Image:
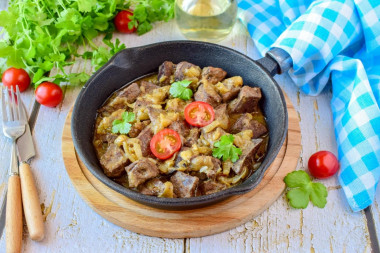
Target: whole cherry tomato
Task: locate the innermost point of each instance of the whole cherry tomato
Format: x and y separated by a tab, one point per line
121	21
49	94
165	143
199	114
323	164
12	77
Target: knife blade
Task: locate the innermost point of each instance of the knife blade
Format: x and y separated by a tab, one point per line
25	145
30	200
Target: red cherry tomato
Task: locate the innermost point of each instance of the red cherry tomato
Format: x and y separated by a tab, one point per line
49	94
12	77
165	143
122	20
199	114
323	164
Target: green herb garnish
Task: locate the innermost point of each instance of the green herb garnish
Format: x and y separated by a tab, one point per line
41	36
148	11
179	90
225	148
123	126
303	190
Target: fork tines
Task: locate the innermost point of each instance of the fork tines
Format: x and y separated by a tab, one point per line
11	111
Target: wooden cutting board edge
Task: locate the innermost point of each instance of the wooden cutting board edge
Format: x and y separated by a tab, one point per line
209	220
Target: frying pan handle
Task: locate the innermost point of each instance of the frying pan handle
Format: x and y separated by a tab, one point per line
276	61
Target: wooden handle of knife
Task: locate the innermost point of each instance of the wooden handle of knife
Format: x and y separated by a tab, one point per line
13	220
31	202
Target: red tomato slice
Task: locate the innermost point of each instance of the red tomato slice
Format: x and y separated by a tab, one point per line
199	114
323	164
165	143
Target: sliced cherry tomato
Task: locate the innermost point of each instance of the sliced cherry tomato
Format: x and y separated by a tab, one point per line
121	21
12	77
199	114
323	164
49	94
165	143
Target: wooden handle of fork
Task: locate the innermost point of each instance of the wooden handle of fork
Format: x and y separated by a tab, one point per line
31	202
13	220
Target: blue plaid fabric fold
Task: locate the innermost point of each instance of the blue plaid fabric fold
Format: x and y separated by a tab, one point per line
337	41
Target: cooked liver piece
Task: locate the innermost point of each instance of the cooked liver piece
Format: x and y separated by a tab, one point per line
147	87
214	135
233	84
210	186
108	137
212	165
184	185
221	115
137	128
213	75
247	101
181	127
154	113
181	68
220	111
113	161
130	93
145	190
193	137
145	136
228	96
178	159
140	171
245	122
139	104
106	110
117	103
208	94
248	156
152	187
165	70
217	167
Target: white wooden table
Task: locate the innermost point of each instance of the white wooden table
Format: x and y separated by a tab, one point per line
72	226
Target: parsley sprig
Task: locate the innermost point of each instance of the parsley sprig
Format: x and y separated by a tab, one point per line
123	126
179	90
304	190
226	149
44	35
147	12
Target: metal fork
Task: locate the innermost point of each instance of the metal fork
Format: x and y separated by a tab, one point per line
13	127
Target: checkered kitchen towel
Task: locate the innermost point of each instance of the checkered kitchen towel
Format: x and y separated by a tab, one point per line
335	40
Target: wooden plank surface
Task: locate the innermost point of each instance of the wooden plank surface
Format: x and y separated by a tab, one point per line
73	227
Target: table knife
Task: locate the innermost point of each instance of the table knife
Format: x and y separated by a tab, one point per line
30	200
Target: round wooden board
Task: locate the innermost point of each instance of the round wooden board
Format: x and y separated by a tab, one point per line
209	220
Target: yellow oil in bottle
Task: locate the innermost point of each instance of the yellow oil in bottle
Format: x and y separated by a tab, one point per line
205	20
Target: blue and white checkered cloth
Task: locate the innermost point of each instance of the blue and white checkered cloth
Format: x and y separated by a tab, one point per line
337	41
